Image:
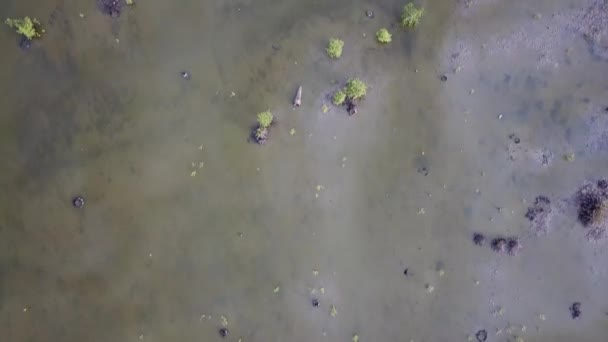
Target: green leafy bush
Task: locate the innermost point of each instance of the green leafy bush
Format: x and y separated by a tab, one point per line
355	89
339	97
383	36
411	15
265	119
29	28
334	48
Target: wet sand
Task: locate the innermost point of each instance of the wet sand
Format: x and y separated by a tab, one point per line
188	228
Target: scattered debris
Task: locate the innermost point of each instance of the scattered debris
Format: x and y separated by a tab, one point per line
324	108
332	311
539	214
297	101
276	289
569	157
575	310
224	321
78	202
429	288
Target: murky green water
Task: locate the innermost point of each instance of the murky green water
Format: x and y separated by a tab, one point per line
335	212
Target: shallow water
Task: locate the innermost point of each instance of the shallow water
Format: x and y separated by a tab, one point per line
335	211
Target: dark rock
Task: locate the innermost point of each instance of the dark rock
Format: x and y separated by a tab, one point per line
223	332
185	75
369	14
481	335
602	184
315	303
423	170
78	202
443	78
575	310
479	239
406	272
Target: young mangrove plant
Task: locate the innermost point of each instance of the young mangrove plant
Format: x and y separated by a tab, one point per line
334	48
355	89
27	27
410	17
265	119
383	36
339	97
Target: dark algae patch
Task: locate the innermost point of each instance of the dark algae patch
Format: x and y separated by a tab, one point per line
539	213
479	239
575	310
499	245
481	335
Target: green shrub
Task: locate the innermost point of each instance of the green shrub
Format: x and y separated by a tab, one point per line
339	97
355	89
334	48
265	119
411	15
29	28
383	36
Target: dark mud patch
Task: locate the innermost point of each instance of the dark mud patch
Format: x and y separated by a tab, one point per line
539	214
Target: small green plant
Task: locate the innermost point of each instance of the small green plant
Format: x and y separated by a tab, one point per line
383	36
339	97
265	119
355	89
411	15
334	48
29	28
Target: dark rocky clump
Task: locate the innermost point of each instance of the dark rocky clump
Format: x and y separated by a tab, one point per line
602	184
110	7
406	272
423	170
369	14
315	303
499	245
513	245
185	75
481	335
443	78
223	332
479	239
78	202
575	310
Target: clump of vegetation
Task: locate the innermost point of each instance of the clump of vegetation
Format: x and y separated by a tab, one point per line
339	97
355	89
265	119
411	15
383	36
27	27
334	48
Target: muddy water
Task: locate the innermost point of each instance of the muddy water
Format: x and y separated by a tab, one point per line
185	221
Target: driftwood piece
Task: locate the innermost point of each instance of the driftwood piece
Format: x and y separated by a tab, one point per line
297	101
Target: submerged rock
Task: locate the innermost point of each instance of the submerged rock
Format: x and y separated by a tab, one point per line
78	202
